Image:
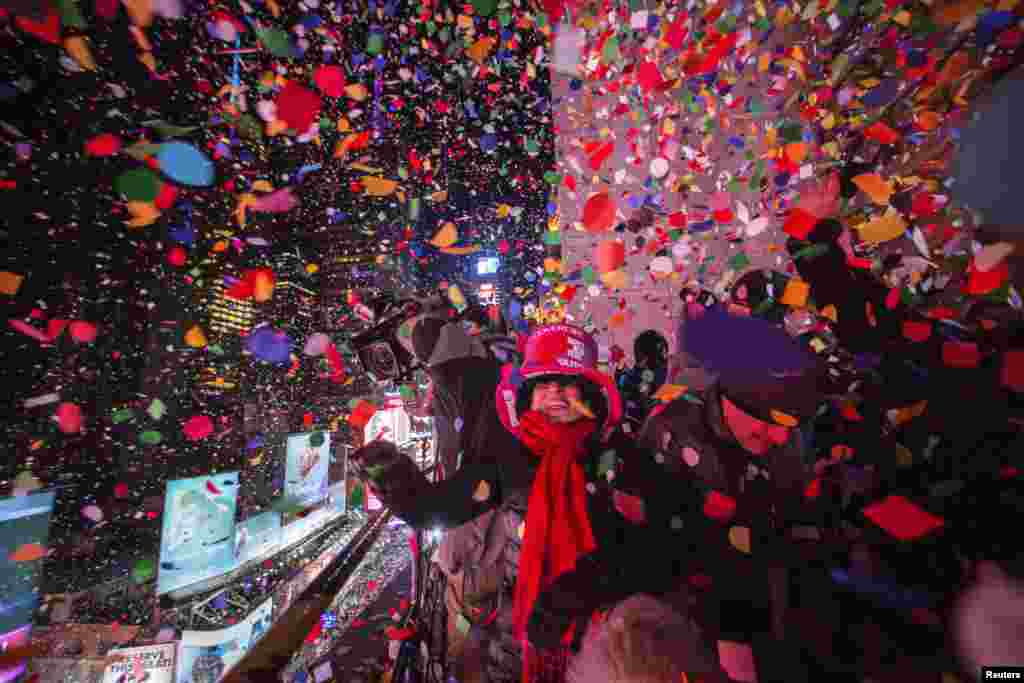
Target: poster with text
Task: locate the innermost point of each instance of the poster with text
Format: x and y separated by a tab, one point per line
207	656
150	664
24	534
17	638
258	537
198	540
306	465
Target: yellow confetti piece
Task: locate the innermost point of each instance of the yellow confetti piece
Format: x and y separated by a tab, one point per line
461	251
244	202
739	537
276	127
764	62
375	186
195	337
902	18
552	265
10	282
139	11
482	492
343	125
447	236
886	227
143	214
356	91
479	51
275	9
615	279
830	313
796	293
783	419
263	186
669	392
140	39
79	50
874	186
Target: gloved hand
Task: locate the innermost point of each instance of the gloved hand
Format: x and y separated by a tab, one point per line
393	476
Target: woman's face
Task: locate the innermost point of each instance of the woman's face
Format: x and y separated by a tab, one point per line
556	402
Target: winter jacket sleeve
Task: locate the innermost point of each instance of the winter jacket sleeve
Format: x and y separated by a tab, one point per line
407	492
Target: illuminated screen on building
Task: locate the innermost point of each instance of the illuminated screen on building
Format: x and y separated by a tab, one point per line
198	540
306	467
487	265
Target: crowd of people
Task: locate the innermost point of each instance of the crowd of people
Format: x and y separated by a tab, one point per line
809	485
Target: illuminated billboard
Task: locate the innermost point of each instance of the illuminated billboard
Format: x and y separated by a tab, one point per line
258	537
306	464
198	539
24	533
207	656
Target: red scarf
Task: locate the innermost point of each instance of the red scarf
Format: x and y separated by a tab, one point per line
558	528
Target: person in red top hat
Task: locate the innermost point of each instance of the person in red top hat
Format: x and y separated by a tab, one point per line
573	519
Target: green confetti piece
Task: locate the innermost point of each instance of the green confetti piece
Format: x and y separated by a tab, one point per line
739	261
485	8
169	130
157	409
735	185
151	438
532	146
140	150
276	41
763	307
122	415
552	237
215	349
138	185
690	398
813	251
249	127
70	14
610	54
606	463
589	276
791	132
375	44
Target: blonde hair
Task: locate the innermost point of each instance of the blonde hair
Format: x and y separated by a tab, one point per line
642	641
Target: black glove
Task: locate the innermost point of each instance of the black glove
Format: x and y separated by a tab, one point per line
392	475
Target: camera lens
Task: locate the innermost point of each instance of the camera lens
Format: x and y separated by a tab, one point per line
380	360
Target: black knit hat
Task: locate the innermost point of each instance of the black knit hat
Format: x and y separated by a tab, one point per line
762	369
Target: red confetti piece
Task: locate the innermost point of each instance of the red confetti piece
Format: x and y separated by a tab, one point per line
982	282
719	506
104	145
917	331
1012	375
599	213
813	490
799	224
198	427
48	29
297	107
882	133
330	79
165	200
961	354
902	519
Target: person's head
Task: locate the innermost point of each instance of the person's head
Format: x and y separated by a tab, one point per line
641	641
562	398
754	435
650	350
559	366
